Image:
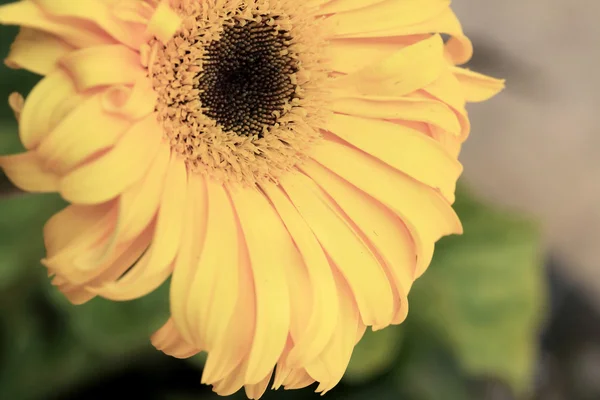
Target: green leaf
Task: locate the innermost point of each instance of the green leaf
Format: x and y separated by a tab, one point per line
374	354
484	293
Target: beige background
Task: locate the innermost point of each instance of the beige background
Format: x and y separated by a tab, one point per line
537	146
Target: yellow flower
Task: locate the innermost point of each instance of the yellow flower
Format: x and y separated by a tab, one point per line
289	164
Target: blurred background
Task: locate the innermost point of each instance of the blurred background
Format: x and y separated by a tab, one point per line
508	311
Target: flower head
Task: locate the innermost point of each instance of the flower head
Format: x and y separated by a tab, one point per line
289	164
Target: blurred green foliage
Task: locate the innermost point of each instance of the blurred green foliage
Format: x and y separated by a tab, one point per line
474	314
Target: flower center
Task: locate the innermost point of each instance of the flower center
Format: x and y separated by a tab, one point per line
241	87
246	80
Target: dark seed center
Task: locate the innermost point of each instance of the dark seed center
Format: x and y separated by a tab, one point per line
246	77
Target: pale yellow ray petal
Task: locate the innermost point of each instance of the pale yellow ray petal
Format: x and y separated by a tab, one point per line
103	65
49	101
366	277
235	344
133	103
109	175
270	249
36	51
68	145
99	13
404	71
164	22
329	368
215	283
90	243
426	213
70	223
156	264
77	33
403	148
255	391
387	233
298	379
140	202
419	109
314	313
383	15
338	6
168	340
477	87
189	253
27	172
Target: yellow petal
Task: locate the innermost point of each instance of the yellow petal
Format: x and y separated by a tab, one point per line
26	13
103	65
318	304
49	101
256	390
383	15
109	175
234	347
27	172
270	249
214	287
401	108
411	68
194	231
331	365
36	51
343	244
385	231
139	203
133	103
426	213
95	12
156	264
403	148
164	23
68	145
168	340
90	243
477	87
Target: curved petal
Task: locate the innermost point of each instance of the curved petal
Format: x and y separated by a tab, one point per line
385	231
214	286
168	340
36	51
75	32
426	213
99	13
329	368
477	87
194	232
419	109
109	175
312	330
156	264
411	68
365	276
403	148
231	351
103	65
68	145
27	172
270	249
164	23
383	15
49	101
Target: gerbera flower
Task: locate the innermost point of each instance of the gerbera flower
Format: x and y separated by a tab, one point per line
289	164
